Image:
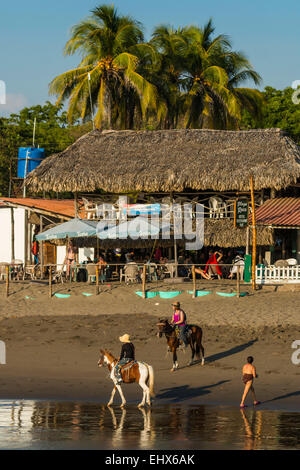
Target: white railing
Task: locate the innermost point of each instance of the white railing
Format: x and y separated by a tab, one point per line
274	274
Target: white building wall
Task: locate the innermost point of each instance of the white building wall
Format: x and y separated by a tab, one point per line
5	234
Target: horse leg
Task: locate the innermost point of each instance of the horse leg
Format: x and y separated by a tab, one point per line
118	387
202	352
193	353
112	396
145	394
175	363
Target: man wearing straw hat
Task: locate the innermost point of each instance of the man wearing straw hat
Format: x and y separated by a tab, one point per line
179	321
127	355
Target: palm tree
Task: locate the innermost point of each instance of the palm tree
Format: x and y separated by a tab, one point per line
198	78
212	72
110	46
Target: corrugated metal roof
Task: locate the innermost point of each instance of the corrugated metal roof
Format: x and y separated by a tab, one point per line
60	207
279	212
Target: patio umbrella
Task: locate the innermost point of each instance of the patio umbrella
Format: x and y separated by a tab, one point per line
139	227
72	229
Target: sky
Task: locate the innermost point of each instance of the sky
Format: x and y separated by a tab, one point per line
33	35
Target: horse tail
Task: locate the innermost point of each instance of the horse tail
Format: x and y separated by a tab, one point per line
151	380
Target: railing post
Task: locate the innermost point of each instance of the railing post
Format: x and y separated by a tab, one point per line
194	281
7	280
97	279
238	281
144	282
50	281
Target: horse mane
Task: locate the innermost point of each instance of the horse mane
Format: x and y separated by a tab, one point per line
109	355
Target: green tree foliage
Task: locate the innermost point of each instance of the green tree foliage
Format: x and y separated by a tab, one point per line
110	46
53	133
185	77
278	111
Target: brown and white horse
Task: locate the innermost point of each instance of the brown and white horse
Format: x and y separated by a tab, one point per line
139	372
194	340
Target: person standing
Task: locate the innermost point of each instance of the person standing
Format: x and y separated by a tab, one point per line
249	374
127	355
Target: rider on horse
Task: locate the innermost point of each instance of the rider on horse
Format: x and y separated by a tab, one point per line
126	356
179	322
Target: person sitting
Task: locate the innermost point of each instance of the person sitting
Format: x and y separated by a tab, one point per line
127	355
212	266
179	322
202	273
238	261
129	257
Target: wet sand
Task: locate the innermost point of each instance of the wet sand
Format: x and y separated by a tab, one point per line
52	345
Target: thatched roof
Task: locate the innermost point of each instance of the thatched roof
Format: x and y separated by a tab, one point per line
217	232
220	232
161	161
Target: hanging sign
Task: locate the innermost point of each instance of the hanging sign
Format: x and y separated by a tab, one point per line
241	213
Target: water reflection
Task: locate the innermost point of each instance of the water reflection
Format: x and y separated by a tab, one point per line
64	425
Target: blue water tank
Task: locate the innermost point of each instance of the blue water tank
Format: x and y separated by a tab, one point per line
34	157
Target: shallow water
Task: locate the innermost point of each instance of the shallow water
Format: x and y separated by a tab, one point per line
76	425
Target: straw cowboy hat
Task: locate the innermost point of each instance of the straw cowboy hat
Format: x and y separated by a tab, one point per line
125	338
176	304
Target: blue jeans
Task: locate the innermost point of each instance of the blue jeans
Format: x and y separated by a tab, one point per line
121	363
182	334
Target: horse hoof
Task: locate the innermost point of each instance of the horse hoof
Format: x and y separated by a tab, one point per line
173	370
141	405
123	405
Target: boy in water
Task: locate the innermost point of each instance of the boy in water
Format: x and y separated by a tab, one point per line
249	374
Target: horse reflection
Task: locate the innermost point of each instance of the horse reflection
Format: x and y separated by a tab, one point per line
143	438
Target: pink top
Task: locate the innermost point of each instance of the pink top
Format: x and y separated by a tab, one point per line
176	317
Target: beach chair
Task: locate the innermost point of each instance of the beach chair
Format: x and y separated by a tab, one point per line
91	271
217	208
131	273
30	271
89	208
152	271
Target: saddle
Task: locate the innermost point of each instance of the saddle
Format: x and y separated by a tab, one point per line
187	331
126	368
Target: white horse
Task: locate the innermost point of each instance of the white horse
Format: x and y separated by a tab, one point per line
139	372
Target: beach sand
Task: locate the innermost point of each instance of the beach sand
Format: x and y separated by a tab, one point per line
52	345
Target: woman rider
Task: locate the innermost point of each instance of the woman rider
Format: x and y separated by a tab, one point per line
127	355
179	321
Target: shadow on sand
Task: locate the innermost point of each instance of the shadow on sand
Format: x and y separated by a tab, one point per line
185	392
230	352
282	397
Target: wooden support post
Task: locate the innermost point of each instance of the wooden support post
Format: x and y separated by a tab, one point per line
7	280
247	239
50	281
12	236
253	234
41	249
75	205
144	282
97	279
238	281
194	281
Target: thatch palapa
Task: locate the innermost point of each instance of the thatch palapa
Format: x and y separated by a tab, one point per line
171	160
217	232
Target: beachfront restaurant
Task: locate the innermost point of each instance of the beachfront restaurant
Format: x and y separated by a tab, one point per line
209	167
